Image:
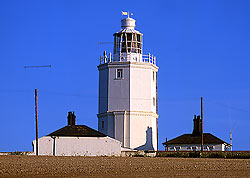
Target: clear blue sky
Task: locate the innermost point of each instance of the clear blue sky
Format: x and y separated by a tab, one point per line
202	49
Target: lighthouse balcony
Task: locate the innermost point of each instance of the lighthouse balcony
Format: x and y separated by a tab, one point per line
133	57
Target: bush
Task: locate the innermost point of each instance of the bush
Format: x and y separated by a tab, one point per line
172	154
213	155
17	153
194	154
206	154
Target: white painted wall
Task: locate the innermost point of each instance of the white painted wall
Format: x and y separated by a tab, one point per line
119	89
130	116
103	91
185	147
78	146
143	131
109	122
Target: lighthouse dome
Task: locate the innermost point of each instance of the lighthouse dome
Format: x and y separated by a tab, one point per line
128	23
128	26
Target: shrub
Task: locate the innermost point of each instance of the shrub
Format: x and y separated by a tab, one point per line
17	153
194	154
206	154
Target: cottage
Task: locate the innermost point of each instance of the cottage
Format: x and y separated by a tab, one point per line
192	142
77	140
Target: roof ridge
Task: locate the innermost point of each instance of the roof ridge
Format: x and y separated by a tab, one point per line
77	131
196	139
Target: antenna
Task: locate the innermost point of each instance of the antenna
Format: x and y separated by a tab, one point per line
105	42
201	124
37	66
231	141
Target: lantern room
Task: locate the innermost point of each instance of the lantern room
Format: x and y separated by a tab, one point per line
128	42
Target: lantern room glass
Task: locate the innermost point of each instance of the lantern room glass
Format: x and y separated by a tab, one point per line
127	43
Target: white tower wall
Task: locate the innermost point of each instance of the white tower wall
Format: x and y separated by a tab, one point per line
103	91
127	93
119	89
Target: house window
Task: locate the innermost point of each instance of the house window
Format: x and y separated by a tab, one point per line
102	124
171	148
194	148
211	148
177	148
153	101
153	76
206	148
119	74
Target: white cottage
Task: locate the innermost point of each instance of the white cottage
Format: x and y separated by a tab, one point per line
77	140
192	142
128	91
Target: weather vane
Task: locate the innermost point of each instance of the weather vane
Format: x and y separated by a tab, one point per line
127	13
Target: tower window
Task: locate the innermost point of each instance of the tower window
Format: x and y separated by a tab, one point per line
119	74
102	124
129	36
153	76
153	101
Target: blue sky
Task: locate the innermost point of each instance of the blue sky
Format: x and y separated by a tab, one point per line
202	49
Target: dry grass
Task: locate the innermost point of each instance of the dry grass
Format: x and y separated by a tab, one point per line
49	166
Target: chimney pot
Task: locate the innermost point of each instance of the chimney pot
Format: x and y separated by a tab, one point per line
197	125
71	118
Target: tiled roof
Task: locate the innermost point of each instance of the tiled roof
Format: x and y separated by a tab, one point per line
77	131
196	139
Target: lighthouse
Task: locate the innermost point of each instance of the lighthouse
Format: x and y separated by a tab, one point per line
128	91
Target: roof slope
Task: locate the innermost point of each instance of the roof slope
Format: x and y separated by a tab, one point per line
196	139
128	30
77	131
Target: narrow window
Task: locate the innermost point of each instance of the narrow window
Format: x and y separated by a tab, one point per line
211	148
205	148
129	36
138	38
153	76
102	124
177	148
153	101
119	74
194	148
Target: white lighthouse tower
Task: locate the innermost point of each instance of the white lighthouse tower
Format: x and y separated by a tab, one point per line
128	91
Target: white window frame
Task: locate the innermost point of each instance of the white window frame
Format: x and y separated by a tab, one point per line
178	148
119	74
194	148
211	148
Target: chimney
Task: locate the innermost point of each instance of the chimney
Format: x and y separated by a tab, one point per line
71	118
197	126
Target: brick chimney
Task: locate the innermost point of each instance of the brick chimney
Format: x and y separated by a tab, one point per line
71	118
197	126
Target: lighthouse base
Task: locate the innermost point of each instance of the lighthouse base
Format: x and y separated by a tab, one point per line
134	129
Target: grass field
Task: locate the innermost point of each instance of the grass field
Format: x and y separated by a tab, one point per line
50	166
